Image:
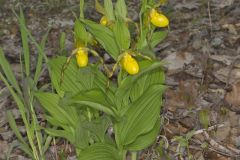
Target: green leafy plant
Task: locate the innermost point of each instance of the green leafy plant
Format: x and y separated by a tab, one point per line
204	118
104	111
183	143
89	103
36	143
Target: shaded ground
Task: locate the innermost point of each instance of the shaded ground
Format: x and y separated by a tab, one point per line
203	73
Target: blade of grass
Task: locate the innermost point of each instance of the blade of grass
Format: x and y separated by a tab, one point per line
81	5
24	36
36	128
18	145
40	58
47	143
26	150
21	107
32	39
8	71
14	127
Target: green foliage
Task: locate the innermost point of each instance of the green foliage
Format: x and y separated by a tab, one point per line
204	118
80	33
183	143
5	66
121	34
140	117
103	112
145	140
157	38
62	41
136	122
108	5
75	79
101	151
104	36
121	9
25	45
36	143
99	7
131	107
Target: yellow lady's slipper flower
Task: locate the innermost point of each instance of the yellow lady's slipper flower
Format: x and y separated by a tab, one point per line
82	57
158	19
104	20
130	64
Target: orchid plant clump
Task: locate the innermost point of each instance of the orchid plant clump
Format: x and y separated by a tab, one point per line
107	111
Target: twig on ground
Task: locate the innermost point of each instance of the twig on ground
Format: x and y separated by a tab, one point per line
234	150
209	129
210	18
220	148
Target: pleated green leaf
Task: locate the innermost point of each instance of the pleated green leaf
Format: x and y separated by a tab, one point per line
121	9
96	99
109	10
61	133
142	84
142	40
53	121
75	79
81	135
100	151
146	67
158	37
49	102
69	80
80	32
98	128
104	36
121	34
141	115
145	140
131	87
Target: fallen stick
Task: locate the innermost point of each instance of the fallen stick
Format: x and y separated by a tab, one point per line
208	129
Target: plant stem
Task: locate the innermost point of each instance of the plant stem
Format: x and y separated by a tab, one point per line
78	151
89	115
124	155
134	156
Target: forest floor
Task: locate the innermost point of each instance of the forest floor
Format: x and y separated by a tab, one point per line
203	73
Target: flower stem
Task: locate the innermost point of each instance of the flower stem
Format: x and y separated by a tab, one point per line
134	156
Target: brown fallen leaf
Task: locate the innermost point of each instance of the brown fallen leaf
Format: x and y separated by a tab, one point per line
183	97
222	75
177	60
233	98
231	28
